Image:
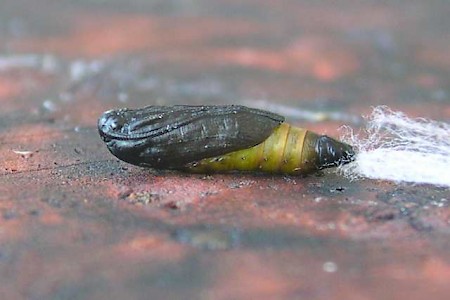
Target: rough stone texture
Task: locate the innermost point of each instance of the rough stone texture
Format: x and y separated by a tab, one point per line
75	223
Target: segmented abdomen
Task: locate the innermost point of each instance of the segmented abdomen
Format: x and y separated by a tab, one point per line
288	150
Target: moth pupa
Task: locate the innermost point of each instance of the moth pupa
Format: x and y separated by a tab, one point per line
206	139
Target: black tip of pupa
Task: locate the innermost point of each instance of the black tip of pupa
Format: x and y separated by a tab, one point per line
333	153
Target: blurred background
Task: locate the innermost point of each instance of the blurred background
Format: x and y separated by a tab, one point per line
322	55
75	223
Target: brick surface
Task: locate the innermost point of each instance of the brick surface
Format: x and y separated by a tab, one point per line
75	223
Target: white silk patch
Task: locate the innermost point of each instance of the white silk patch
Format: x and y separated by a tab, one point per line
395	147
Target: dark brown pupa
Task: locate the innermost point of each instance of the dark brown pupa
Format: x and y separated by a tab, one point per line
217	139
